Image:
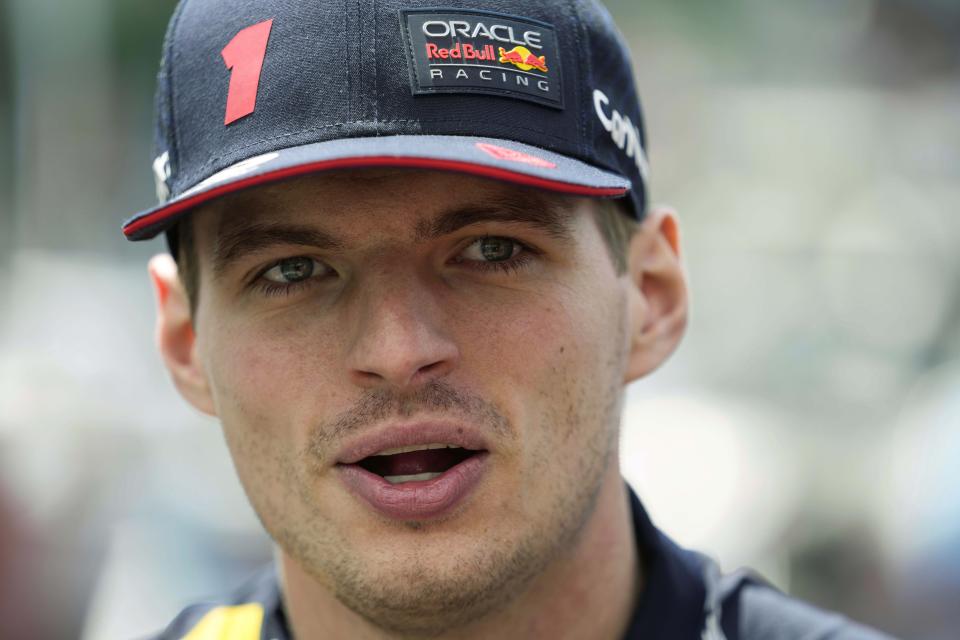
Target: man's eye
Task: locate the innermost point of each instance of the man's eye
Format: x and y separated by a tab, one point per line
492	249
294	270
498	254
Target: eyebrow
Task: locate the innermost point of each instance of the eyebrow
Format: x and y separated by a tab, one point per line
248	238
527	209
242	239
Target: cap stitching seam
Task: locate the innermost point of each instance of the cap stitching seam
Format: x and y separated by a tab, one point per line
362	106
411	52
346	29
174	129
376	95
585	66
493	91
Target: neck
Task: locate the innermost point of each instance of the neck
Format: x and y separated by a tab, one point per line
589	592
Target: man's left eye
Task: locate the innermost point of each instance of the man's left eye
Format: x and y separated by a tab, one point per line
492	249
294	270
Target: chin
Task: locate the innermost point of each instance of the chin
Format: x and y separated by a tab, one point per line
427	598
420	584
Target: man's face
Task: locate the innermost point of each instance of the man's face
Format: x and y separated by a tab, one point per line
342	308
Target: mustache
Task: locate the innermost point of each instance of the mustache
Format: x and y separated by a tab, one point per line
378	405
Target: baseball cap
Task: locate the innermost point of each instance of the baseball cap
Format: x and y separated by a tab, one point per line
534	93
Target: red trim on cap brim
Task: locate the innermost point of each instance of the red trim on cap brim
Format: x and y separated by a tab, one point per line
371	161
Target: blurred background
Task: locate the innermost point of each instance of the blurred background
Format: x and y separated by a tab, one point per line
809	426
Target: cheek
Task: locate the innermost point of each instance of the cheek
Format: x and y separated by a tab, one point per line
269	387
556	358
268	377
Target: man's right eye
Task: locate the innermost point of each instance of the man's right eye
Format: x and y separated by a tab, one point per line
294	270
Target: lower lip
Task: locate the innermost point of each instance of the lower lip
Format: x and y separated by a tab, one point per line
417	500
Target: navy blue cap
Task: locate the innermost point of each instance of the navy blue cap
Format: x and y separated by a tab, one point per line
254	91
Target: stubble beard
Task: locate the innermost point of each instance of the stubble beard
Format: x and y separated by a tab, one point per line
417	598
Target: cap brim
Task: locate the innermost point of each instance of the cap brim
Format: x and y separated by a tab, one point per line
485	157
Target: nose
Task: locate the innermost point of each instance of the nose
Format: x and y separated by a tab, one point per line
400	339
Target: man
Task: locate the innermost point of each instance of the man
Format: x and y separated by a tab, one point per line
415	268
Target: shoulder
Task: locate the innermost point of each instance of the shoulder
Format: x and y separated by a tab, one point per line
251	612
750	608
686	596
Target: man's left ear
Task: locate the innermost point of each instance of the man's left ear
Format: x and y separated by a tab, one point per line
657	294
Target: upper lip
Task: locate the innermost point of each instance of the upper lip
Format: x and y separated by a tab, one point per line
410	434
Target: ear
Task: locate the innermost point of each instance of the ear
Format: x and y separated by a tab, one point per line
657	293
175	337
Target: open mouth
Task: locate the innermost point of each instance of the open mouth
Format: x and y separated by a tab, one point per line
435	468
416	463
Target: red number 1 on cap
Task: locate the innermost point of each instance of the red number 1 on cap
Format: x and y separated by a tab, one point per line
244	57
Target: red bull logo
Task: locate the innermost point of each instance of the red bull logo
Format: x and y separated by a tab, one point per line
523	59
460	52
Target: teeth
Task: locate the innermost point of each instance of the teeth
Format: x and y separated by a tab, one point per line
411	478
416	447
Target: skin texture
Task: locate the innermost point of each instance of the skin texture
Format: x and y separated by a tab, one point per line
395	326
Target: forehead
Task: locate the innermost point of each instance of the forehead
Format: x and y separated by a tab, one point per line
398	201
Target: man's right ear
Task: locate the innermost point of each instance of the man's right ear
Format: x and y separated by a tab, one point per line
175	337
